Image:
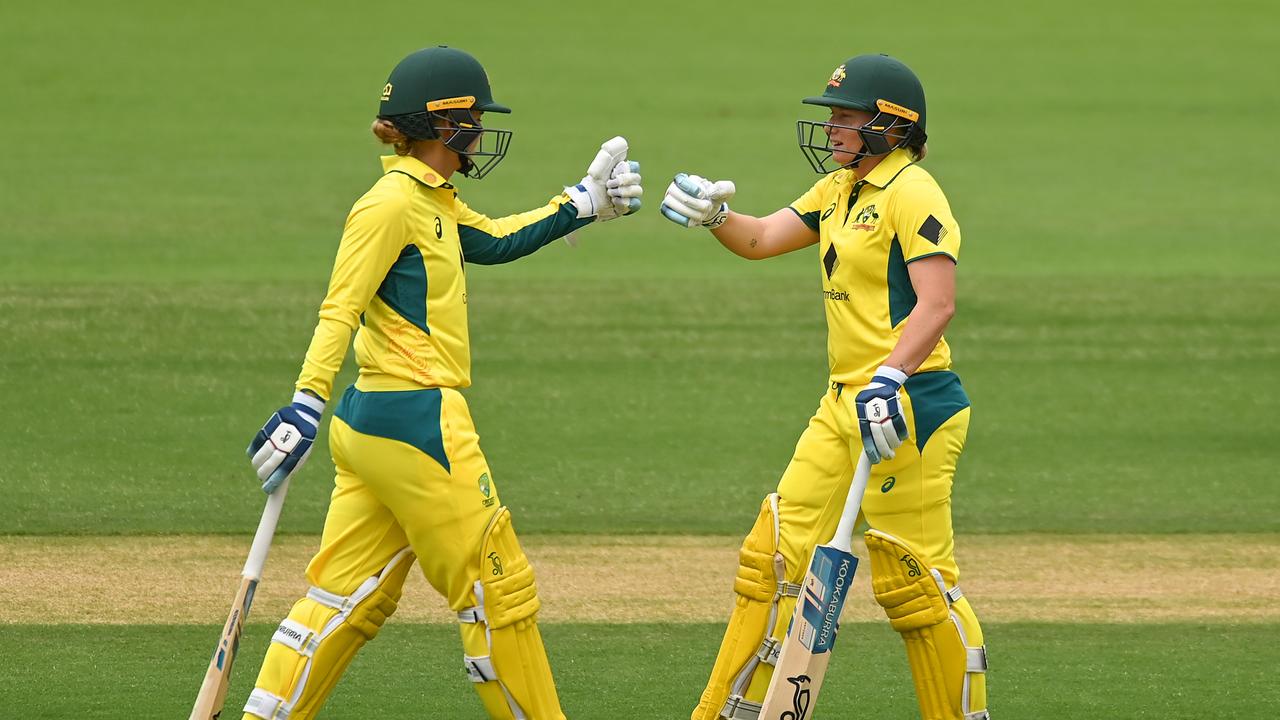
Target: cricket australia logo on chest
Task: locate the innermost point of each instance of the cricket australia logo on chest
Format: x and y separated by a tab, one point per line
867	219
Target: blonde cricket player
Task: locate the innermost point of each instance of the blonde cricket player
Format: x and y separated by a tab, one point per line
887	251
411	478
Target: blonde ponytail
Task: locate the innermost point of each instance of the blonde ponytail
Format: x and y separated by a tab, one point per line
387	134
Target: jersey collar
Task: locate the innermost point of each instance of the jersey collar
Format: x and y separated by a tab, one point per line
414	168
888	169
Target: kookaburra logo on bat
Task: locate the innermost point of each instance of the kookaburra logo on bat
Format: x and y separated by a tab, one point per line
799	698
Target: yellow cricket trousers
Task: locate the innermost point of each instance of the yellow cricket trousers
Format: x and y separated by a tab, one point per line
908	497
411	481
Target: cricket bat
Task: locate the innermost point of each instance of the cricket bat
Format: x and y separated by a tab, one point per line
802	664
213	691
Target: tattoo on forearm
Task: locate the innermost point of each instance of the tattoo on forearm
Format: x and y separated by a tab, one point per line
753	242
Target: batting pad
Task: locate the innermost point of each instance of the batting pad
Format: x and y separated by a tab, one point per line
749	649
503	651
942	636
313	646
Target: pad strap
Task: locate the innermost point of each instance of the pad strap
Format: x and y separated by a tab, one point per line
480	669
951	594
736	706
769	651
471	615
300	638
305	641
786	589
771	648
344	603
266	705
739	708
976	659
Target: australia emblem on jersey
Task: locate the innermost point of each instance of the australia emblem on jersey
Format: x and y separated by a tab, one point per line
485	489
866	219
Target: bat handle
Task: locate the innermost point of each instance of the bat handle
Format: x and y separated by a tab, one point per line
266	531
843	538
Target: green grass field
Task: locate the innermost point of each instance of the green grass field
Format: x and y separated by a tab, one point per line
172	189
650	671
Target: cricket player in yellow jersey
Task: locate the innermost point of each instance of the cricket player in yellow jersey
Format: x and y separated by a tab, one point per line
887	250
411	478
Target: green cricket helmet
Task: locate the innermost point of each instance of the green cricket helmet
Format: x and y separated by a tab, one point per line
431	95
878	84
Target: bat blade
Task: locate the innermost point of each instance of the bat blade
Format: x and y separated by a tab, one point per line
213	691
806	651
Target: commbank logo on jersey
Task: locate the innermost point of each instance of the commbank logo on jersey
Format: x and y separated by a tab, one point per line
830	262
932	230
866	219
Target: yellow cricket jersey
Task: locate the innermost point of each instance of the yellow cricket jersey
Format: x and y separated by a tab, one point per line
869	231
399	283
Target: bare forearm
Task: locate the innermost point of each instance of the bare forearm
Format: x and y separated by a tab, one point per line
741	235
920	336
756	238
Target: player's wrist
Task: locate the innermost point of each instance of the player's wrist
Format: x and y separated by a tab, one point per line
892	373
720	217
310	400
583	200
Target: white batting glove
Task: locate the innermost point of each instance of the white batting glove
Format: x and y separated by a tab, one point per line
692	201
611	187
624	187
284	443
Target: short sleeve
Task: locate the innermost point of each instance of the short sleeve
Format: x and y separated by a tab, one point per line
809	205
923	222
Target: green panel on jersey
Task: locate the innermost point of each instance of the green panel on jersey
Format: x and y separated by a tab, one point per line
935	398
405	288
810	218
410	416
902	296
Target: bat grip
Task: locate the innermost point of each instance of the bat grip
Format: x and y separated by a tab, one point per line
266	531
843	538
